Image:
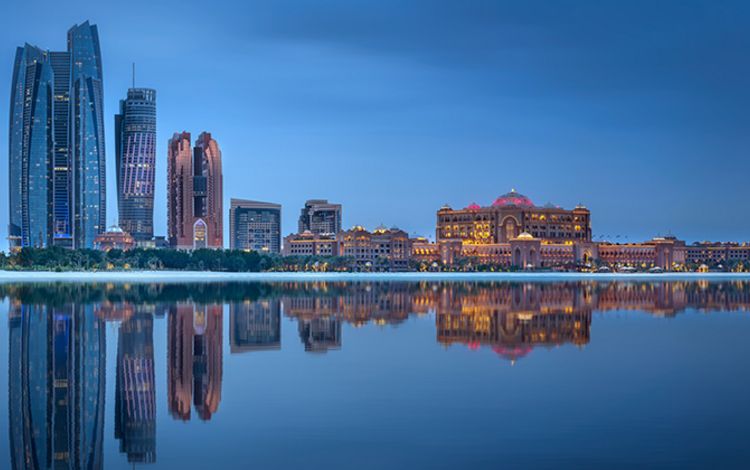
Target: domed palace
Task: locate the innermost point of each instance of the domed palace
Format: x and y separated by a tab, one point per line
513	231
508	217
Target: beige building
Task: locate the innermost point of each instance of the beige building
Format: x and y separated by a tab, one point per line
380	250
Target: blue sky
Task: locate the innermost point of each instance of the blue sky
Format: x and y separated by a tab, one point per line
639	110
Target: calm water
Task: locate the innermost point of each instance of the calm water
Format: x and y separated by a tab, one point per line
376	375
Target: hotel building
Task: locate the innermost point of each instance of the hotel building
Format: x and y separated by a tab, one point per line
310	244
254	225
381	250
513	231
194	193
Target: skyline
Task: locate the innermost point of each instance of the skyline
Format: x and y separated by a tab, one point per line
298	136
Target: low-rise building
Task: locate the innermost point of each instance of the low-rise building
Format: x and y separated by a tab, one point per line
310	244
114	238
383	249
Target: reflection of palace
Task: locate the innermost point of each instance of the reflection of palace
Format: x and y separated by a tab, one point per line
135	399
56	386
254	326
194	359
513	318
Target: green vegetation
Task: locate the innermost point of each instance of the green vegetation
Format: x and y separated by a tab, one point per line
60	259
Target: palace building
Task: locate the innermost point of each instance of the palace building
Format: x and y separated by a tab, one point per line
509	216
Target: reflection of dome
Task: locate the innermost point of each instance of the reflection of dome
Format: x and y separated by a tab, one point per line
512	353
473	207
513	199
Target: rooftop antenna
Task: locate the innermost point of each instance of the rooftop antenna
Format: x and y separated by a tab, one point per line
133	74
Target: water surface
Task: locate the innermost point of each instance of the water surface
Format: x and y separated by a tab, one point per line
376	375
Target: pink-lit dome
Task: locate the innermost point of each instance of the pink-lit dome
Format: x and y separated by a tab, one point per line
473	207
513	199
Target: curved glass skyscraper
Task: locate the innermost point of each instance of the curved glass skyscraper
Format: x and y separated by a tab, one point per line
56	144
135	158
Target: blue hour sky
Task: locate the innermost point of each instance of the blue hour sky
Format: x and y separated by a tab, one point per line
640	110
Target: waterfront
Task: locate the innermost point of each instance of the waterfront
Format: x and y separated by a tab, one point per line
324	372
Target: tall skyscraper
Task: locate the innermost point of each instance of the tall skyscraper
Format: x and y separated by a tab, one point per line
320	217
135	159
56	179
255	225
195	192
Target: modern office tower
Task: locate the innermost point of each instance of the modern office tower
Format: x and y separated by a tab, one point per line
57	190
194	359
255	225
135	159
320	218
194	201
255	326
135	388
56	361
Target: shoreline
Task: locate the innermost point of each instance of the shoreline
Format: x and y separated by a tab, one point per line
209	276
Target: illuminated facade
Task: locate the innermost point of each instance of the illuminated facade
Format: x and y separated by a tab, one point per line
382	249
57	175
135	162
195	192
114	238
508	217
310	244
254	225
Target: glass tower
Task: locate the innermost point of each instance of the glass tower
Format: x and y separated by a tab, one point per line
135	159
56	177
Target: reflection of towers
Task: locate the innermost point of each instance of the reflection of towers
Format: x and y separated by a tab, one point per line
255	326
320	334
194	359
135	401
56	393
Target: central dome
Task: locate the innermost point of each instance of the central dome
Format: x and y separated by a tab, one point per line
513	199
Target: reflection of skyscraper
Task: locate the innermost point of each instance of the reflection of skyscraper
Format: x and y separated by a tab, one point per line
194	359
254	326
135	400
56	397
320	334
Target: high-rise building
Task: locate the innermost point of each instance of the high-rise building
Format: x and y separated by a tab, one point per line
255	225
135	159
194	201
56	179
320	217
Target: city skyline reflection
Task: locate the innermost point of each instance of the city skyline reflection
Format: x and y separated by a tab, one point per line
58	342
